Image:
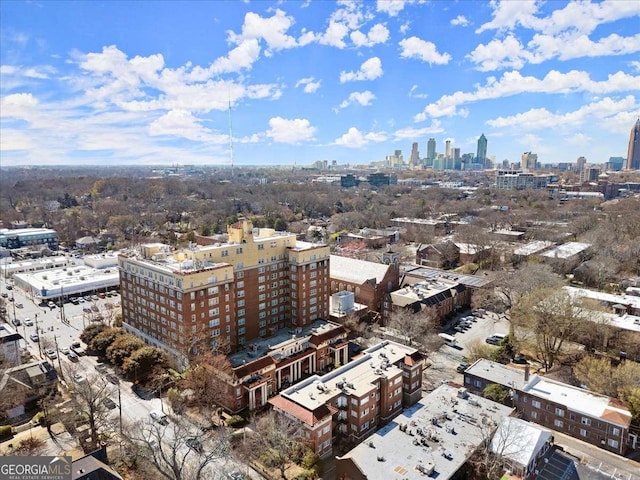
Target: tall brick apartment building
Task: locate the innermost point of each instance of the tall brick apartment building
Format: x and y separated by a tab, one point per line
223	294
355	399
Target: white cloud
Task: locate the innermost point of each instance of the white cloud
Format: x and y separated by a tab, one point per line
272	30
390	7
460	20
414	47
566	47
578	139
410	133
179	123
310	84
505	53
413	93
562	35
635	64
369	70
510	53
404	28
241	57
531	141
513	83
508	14
18	105
294	131
354	138
363	98
378	34
539	118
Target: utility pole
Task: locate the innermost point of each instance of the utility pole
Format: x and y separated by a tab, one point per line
119	405
37	333
55	339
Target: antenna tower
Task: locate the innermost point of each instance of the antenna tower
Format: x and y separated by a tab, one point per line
230	134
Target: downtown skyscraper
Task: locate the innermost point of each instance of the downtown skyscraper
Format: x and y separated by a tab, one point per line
481	154
633	153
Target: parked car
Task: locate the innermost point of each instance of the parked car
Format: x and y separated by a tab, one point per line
462	367
64	350
520	359
51	353
110	404
5	294
495	339
16	322
112	378
72	356
159	417
34	337
9	287
78	378
28	322
101	367
51	305
18	305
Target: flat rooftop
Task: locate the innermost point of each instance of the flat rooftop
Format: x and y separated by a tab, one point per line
280	342
578	400
566	250
421	291
442	431
533	247
69	280
511	233
428	273
356	271
497	373
627	300
356	377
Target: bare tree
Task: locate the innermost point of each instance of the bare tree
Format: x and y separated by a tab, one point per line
89	394
420	328
508	287
549	318
276	441
207	378
174	451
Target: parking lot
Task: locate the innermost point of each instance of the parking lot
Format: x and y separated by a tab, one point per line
445	361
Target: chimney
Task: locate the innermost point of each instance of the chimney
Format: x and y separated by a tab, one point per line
526	373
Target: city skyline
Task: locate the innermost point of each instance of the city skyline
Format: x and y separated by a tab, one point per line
153	83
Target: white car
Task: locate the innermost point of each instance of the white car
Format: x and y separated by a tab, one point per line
159	417
64	350
51	353
28	322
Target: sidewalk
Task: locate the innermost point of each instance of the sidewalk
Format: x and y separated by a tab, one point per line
597	459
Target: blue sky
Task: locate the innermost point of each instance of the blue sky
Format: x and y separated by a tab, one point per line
140	82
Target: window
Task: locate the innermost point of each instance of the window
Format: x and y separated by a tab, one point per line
615	431
534	415
558	423
239	250
535	404
559	412
586	421
260	246
612	443
583	433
